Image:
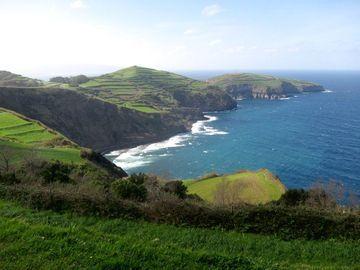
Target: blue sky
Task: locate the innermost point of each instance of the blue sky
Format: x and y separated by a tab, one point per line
93	36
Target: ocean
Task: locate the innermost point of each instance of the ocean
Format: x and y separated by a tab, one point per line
302	139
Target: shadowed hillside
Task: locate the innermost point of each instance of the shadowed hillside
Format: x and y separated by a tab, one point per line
94	123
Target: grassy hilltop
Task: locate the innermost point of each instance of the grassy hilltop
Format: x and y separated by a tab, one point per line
154	91
143	89
249	187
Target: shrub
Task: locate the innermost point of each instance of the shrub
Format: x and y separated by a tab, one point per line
9	179
294	197
176	187
56	172
127	189
138	179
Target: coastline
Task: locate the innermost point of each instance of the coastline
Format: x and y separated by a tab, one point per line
137	156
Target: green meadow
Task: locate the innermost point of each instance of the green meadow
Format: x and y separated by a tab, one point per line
48	240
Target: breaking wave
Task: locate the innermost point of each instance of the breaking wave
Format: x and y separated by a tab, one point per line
146	154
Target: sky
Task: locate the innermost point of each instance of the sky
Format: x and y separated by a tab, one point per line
66	37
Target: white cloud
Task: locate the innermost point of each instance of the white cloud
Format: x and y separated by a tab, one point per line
211	10
215	42
190	31
78	4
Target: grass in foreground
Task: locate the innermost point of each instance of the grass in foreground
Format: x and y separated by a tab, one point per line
255	187
47	240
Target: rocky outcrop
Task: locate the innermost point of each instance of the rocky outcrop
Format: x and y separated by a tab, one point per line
94	123
212	100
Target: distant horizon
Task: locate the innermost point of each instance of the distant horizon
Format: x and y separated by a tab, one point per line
45	76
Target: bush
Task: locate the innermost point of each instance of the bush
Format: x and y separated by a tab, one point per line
138	179
56	172
294	197
9	179
176	187
129	189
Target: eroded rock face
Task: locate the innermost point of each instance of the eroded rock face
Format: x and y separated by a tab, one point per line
211	101
93	123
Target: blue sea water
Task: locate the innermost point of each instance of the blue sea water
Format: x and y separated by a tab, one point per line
303	139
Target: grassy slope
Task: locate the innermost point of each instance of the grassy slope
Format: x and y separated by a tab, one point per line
47	240
26	137
255	80
259	187
143	89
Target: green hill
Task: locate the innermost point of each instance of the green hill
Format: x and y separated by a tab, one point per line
248	85
154	91
245	186
14	80
48	240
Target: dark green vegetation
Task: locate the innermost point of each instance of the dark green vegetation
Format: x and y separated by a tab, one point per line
247	85
86	190
245	186
47	240
15	80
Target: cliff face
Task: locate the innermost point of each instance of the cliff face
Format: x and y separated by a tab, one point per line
93	123
261	92
211	101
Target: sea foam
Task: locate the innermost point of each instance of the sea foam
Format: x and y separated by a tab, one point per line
146	154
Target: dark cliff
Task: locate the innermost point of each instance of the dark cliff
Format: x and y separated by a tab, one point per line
94	123
210	101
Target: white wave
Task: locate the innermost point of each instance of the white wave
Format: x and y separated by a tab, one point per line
284	98
200	127
328	91
145	154
141	155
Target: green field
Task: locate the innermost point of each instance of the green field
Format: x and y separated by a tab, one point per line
17	129
255	187
25	137
47	240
